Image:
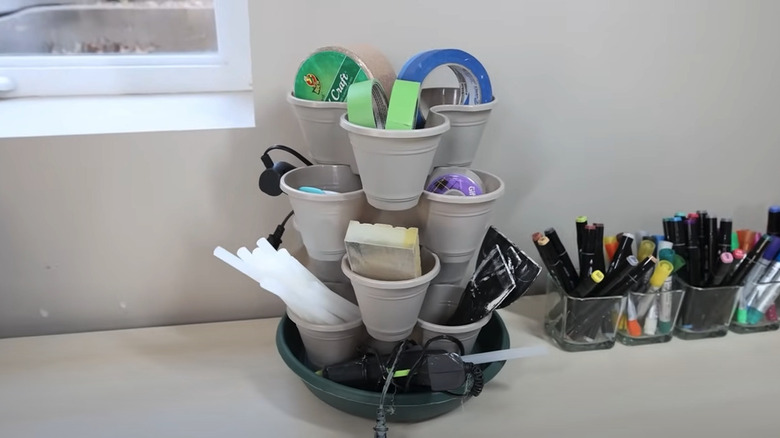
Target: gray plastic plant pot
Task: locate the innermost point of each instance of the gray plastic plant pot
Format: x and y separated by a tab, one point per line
322	219
453	226
466	334
319	123
390	308
394	164
329	344
459	145
412	407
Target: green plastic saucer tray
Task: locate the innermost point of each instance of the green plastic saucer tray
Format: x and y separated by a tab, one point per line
407	407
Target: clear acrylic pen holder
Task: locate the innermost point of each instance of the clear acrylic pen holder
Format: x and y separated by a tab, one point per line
580	324
705	312
756	310
656	314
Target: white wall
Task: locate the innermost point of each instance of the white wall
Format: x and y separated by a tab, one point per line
624	111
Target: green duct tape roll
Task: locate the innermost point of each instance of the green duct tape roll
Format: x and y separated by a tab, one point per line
402	110
367	104
327	73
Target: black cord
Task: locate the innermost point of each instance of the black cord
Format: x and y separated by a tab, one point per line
420	359
287	218
289	150
275	238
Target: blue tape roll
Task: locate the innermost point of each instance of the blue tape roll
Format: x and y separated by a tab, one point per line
472	75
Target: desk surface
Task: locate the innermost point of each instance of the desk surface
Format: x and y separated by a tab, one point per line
227	380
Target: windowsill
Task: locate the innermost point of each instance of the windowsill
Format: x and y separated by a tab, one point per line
61	116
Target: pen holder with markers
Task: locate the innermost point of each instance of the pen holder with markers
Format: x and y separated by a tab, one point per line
756	308
705	311
581	324
648	317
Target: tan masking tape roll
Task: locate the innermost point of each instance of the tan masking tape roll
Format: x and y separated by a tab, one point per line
328	72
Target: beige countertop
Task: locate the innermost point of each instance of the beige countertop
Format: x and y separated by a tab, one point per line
227	380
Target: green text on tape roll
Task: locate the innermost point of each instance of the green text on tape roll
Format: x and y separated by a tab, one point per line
326	76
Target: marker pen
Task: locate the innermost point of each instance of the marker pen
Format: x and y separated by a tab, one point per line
678	237
552	263
680	214
560	251
634	276
603	289
580	223
665	322
771	313
625	242
632	325
640	236
752	256
662	245
757	310
666	254
587	284
661	273
773	221
734	240
739	257
747	240
724	236
645	250
722	268
599	262
667	223
764	271
709	249
740	275
657	239
621	288
610	246
588	254
693	262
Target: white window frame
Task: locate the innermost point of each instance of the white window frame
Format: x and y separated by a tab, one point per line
227	70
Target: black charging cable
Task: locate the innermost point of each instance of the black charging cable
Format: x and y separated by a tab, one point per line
275	238
271	177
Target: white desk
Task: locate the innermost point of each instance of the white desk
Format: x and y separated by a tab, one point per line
227	380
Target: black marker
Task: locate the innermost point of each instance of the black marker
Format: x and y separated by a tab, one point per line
552	263
709	248
604	288
580	223
625	242
722	268
634	276
600	264
693	265
561	254
588	254
724	236
773	221
735	279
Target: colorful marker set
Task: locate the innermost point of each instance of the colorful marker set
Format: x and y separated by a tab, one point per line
591	298
723	269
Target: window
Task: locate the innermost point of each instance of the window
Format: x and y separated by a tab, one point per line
99	47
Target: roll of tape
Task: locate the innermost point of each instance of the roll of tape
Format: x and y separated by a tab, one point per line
454	184
472	76
402	110
367	104
441	171
328	72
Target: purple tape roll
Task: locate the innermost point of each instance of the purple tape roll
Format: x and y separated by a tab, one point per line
454	184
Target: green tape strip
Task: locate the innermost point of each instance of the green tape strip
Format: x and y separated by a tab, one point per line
402	111
367	104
